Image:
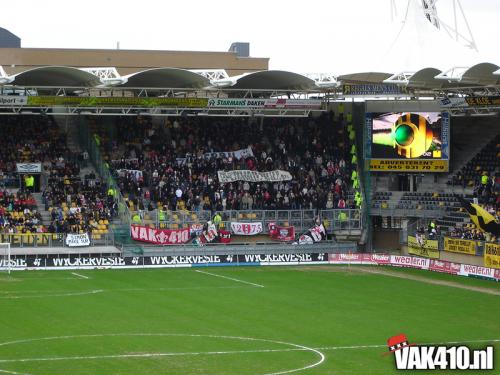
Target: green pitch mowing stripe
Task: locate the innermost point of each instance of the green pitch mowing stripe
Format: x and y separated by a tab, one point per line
178	321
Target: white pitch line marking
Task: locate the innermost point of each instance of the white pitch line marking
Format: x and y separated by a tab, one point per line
13	372
230	278
294	346
82	276
172	354
146	355
54	295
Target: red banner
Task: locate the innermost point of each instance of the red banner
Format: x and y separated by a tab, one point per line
281	233
444	266
225	236
355	258
381	258
497	274
159	236
359	258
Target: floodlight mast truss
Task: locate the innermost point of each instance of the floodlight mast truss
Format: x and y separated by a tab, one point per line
466	38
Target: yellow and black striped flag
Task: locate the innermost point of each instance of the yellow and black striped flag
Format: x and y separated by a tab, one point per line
483	220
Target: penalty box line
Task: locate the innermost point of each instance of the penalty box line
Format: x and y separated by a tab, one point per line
231	278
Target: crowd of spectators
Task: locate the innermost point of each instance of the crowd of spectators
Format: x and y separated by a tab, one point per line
76	205
18	213
470	234
174	164
29	139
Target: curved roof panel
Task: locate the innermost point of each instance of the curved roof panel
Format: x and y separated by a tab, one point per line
424	78
482	74
366	77
273	80
165	78
56	76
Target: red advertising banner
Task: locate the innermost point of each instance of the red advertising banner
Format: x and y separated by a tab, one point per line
159	236
279	233
355	258
444	266
497	274
359	258
381	258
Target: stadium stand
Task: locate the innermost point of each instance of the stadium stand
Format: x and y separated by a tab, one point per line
165	167
68	204
486	161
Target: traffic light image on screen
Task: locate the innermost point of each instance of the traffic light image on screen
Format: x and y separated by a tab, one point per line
407	135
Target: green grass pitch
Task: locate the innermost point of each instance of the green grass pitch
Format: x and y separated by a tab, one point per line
253	320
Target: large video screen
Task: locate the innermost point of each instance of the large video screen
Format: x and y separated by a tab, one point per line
409	141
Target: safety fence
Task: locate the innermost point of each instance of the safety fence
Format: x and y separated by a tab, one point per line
56	239
301	220
90	143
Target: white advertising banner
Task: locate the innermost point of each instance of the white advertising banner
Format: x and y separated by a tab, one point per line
29	167
264	103
6	100
253	176
73	240
246	229
409	261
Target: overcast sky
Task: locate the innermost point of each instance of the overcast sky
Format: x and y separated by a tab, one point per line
303	36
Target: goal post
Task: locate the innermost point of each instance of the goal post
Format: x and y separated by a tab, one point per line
5	264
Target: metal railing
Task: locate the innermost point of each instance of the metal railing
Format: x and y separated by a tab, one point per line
334	220
52	239
407	212
122	232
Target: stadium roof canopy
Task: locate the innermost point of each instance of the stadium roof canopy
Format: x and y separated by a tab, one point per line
479	74
165	78
482	74
366	77
55	76
430	78
269	80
